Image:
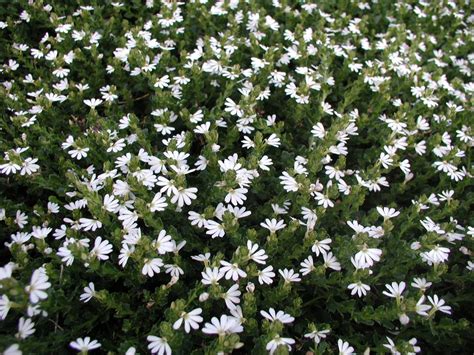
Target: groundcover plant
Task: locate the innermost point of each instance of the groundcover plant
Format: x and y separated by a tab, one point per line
209	177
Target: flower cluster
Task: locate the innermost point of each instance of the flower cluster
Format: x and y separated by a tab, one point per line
206	176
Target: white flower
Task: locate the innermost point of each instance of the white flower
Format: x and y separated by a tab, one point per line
395	290
317	335
391	346
277	341
264	163
93	103
202	257
421	284
289	183
121	188
255	254
29	167
367	256
412	342
214	229
331	262
211	276
101	249
318	130
266	275
89	292
289	275
196	219
158	203
38	284
163	243
281	316
438	254
53	207
231	297
236	196
196	117
231	163
21	219
84	345
190	319
232	271
174	270
334	173
13	349
78	153
66	255
223	326
307	266
273	140
163	82
233	108
238	212
344	348
421	308
127	217
327	108
158	345
9	168
88	224
25	328
439	304
6	270
387	213
152	266
111	204
358	228
321	246
323	200
273	225
184	196
40	232
359	288
5	306
203	128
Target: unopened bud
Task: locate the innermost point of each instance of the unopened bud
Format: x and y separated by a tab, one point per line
250	287
404	320
173	280
203	297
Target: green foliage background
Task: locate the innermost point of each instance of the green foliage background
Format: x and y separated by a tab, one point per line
131	306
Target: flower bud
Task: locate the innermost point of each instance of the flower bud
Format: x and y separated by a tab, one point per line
173	280
409	177
404	319
250	287
203	297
